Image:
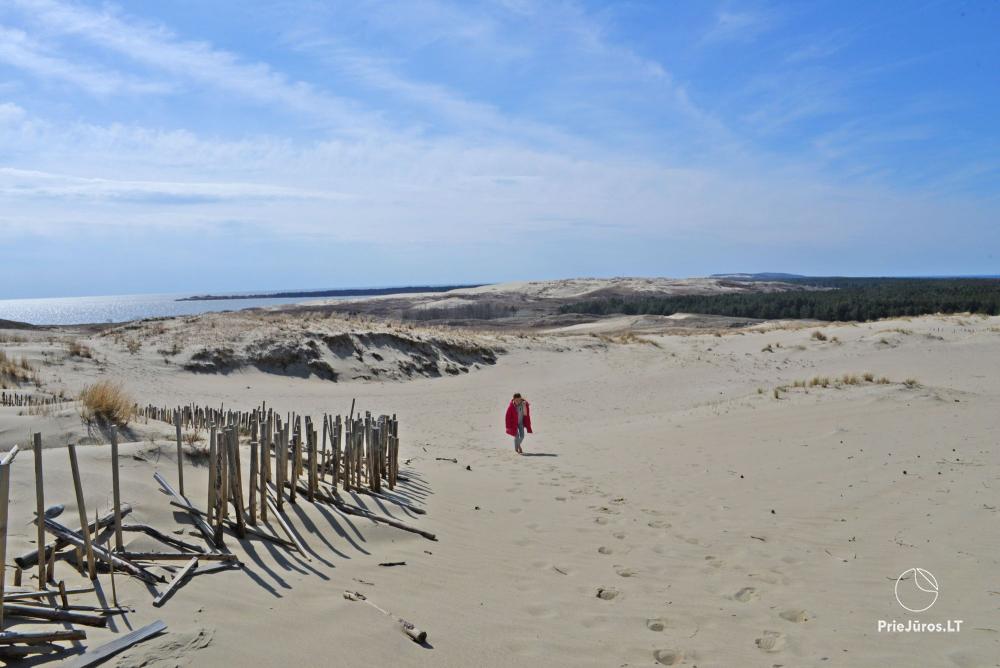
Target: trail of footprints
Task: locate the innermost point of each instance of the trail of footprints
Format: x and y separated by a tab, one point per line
768	642
614	510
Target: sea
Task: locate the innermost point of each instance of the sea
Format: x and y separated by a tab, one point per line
121	308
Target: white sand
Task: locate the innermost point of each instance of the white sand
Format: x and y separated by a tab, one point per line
727	521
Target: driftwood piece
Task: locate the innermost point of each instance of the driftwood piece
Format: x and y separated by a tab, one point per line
73	538
36	637
29	559
92	657
55	615
176	582
406	627
166	539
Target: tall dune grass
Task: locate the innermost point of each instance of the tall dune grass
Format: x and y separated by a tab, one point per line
107	403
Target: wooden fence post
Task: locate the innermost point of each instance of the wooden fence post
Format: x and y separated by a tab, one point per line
40	506
82	508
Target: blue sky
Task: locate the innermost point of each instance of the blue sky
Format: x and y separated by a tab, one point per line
210	146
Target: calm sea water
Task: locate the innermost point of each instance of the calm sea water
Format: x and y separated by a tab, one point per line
119	308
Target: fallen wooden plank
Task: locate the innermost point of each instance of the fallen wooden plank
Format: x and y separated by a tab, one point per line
125	565
54	615
361	512
176	582
166	539
92	657
203	527
21	595
35	637
29	559
177	556
338	503
287	529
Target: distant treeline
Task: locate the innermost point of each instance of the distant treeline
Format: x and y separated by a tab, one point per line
350	292
844	299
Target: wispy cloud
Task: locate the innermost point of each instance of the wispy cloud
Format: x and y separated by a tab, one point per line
21	183
158	48
20	50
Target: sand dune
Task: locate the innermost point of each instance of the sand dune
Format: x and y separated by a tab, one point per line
675	509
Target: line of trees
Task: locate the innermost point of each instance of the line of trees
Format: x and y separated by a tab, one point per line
836	299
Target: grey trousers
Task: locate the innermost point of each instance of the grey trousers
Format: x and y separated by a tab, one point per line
519	438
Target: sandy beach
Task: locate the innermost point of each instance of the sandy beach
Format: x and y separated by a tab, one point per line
686	500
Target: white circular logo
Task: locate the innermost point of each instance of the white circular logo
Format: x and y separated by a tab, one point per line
916	589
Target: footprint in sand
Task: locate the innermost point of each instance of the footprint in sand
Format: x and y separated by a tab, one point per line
601	520
746	595
604	550
771	641
607	593
620	535
794	615
668	657
659	524
656	624
624	572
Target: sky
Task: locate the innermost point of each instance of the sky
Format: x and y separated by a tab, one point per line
232	145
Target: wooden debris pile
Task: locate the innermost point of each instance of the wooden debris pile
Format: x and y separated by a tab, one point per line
292	458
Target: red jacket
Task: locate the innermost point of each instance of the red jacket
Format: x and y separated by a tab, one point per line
511	418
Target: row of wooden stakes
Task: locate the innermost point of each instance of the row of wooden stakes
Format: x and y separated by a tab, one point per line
17	399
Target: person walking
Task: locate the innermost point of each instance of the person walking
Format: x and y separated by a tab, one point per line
518	420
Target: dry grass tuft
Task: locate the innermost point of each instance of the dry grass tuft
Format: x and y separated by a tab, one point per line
911	382
15	370
819	335
77	349
193	436
107	403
